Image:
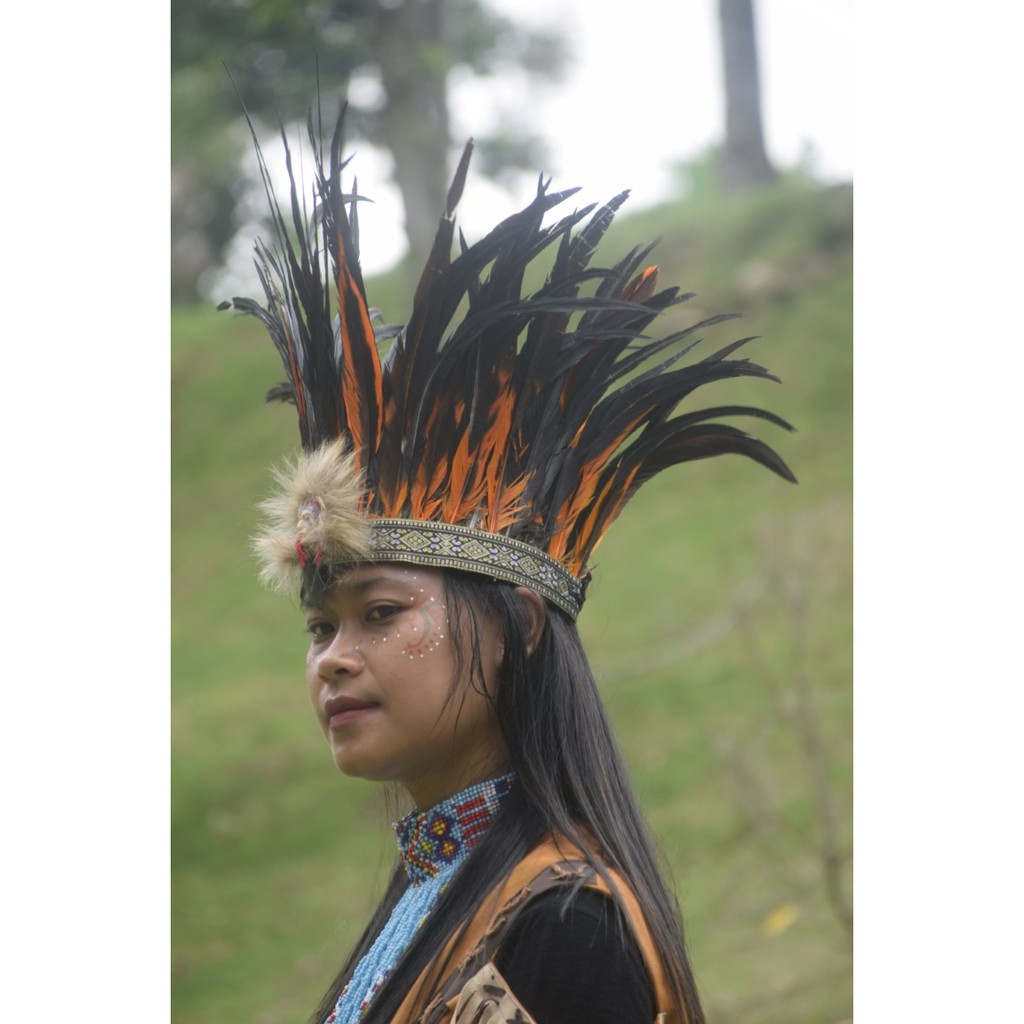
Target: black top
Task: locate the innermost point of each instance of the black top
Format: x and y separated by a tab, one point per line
576	962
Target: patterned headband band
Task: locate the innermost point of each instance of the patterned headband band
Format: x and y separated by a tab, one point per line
448	546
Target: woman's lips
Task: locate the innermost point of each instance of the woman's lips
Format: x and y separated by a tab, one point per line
342	710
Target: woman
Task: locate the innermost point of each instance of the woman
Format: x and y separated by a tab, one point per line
438	526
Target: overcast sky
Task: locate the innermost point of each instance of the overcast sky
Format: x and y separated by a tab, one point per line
641	93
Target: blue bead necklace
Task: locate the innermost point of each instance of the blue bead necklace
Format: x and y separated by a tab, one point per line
432	846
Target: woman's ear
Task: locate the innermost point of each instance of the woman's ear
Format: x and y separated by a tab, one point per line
538	616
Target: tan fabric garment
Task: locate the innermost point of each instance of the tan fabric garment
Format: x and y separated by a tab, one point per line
485	999
427	1002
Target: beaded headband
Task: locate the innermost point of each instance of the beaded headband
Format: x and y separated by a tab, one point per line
502	432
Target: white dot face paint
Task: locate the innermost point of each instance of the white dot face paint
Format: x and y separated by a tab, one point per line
426	632
419	632
381	672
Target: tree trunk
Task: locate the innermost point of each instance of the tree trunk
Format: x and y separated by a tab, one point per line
742	160
414	122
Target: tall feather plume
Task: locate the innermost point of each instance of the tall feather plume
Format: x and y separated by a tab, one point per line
316	310
536	414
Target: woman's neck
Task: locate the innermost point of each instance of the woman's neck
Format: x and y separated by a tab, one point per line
428	792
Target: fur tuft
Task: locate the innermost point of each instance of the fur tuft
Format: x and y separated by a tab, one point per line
318	504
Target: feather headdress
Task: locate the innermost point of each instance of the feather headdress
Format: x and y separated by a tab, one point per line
503	432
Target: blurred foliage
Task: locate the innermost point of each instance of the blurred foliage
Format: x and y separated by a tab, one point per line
281	55
719	625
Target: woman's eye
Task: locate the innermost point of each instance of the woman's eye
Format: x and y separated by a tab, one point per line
319	630
382	612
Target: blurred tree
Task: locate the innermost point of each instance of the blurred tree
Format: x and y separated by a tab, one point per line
742	158
275	50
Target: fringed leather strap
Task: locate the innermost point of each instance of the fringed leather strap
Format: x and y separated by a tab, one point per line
486	999
550	878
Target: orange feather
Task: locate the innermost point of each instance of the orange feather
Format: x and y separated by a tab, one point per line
360	349
643	286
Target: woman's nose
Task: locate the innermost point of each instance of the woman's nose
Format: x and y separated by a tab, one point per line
342	658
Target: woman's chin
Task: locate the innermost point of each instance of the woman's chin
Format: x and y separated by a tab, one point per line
357	765
348	762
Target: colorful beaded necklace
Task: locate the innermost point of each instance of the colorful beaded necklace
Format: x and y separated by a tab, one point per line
432	846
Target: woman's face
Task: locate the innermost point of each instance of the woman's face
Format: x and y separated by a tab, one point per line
380	670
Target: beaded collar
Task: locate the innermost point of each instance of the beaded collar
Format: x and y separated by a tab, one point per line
431	841
432	845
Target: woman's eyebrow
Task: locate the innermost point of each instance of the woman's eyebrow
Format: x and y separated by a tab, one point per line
357	587
361	586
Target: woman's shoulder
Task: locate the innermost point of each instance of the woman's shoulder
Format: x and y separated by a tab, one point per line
570	956
561	938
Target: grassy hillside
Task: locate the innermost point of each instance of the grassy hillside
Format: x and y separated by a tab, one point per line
719	625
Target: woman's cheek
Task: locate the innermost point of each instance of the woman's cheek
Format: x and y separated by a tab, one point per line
425	630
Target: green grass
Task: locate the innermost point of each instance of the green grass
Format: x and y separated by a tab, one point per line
719	625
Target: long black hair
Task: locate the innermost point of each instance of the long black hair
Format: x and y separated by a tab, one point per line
570	780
